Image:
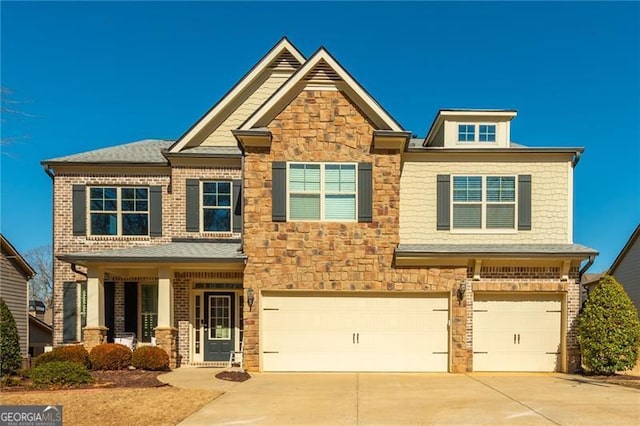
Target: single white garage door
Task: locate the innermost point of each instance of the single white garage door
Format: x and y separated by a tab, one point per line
354	332
517	332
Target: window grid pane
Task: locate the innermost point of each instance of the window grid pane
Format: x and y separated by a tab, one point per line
487	133
466	132
216	210
219	317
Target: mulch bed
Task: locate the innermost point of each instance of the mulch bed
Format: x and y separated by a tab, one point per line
104	379
627	380
233	376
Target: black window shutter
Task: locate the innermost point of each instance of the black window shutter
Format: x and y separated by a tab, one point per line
444	202
79	210
237	206
193	205
70	312
279	191
524	202
365	192
155	211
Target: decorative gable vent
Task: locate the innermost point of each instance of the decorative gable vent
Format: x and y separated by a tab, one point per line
322	73
285	62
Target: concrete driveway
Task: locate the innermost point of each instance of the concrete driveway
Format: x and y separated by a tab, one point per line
393	399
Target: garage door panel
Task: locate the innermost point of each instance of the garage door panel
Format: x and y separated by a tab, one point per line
516	332
349	333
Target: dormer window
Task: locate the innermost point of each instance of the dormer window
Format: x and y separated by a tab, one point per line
485	133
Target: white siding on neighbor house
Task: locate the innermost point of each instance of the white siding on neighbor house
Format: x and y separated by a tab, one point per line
222	135
628	272
13	289
550	202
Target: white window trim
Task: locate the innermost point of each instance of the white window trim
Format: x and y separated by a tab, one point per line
323	192
202	206
139	336
476	134
211	330
483	208
119	212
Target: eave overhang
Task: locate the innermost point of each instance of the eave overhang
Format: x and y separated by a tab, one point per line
253	138
390	139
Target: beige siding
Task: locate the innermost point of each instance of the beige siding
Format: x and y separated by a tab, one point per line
13	289
549	199
222	135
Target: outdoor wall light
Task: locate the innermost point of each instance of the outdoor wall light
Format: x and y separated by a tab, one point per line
460	292
251	298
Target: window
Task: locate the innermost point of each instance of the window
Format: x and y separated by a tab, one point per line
216	206
487	133
487	202
119	211
148	311
467	133
322	191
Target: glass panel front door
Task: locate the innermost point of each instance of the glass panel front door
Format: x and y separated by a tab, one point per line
219	326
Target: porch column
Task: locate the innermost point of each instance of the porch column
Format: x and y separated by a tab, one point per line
165	331
95	332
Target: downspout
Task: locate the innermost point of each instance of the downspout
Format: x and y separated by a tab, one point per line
584	269
75	269
576	159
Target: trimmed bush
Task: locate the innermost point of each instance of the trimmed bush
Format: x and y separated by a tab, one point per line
609	329
75	353
150	358
60	373
110	356
10	358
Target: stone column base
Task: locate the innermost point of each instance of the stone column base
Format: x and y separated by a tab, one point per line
94	336
166	339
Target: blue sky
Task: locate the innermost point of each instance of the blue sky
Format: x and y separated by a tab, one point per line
92	75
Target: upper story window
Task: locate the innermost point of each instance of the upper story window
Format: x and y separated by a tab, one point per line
319	191
485	133
216	206
484	202
119	211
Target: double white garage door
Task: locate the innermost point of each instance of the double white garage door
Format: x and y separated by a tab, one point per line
399	332
354	333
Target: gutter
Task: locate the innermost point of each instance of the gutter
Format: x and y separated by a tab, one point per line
576	158
74	268
584	269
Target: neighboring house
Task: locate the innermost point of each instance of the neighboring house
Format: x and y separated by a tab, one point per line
40	331
299	221
15	274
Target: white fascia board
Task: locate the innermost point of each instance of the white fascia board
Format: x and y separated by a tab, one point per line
296	79
258	69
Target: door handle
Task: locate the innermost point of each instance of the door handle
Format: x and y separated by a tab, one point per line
358	338
518	338
514	339
353	338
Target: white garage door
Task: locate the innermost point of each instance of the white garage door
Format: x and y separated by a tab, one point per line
351	332
517	332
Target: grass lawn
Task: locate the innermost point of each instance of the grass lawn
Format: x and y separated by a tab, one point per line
133	406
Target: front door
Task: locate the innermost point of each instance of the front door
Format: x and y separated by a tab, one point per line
219	339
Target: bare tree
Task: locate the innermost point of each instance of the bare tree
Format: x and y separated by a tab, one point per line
10	107
41	285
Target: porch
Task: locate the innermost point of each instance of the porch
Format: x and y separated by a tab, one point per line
186	298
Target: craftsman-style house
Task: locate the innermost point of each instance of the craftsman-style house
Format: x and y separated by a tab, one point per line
299	222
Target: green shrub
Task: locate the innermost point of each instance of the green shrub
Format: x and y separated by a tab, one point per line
609	329
60	373
10	358
74	353
110	356
150	358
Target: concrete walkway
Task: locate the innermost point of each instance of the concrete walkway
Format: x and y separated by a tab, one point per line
392	399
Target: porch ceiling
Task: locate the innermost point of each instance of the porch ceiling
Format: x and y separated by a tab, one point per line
174	252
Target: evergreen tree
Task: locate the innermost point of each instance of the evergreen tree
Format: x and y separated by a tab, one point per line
10	358
609	329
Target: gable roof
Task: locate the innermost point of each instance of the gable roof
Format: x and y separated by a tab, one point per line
508	114
632	240
10	251
148	151
323	66
283	48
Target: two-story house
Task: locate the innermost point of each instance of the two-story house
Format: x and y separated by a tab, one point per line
298	221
